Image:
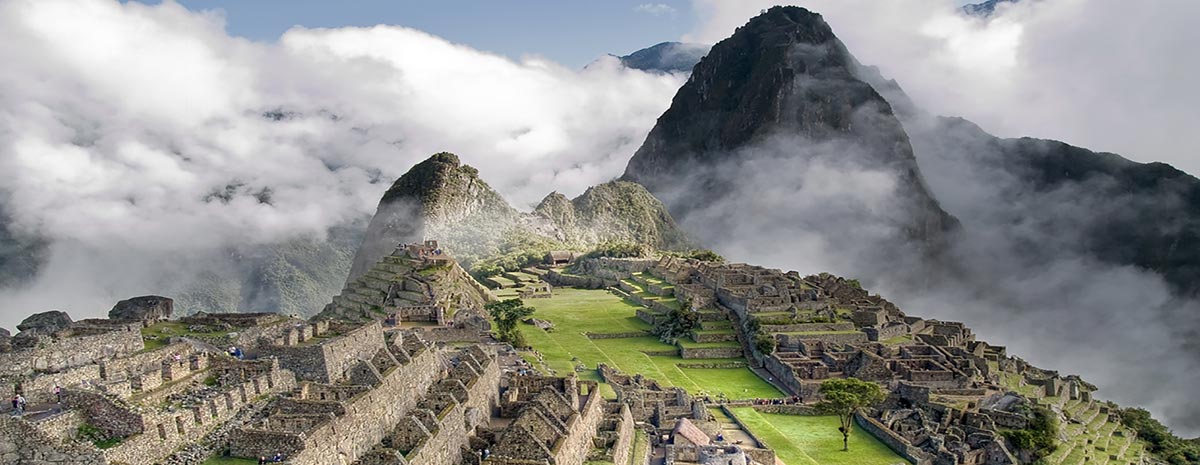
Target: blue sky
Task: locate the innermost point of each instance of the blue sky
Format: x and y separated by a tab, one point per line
571	32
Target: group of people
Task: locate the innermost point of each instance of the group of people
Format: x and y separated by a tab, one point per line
264	460
18	404
780	401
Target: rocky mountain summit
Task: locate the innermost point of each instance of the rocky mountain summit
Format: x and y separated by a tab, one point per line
780	94
441	197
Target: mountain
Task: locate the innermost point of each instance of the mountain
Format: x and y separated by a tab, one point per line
441	198
21	253
666	57
984	9
779	97
1064	199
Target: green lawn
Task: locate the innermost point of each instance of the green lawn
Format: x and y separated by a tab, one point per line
806	440
578	311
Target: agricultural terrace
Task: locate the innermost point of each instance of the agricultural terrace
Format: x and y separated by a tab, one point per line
577	312
814	440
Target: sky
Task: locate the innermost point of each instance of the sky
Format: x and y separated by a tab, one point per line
572	32
133	136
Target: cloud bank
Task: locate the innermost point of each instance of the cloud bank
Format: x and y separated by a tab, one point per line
144	139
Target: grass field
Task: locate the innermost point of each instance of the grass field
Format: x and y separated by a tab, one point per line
802	440
575	312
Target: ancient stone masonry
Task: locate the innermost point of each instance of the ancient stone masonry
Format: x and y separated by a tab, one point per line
355	385
417	282
340	420
951	394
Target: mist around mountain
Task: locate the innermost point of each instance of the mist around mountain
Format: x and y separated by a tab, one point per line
773	137
443	199
782	149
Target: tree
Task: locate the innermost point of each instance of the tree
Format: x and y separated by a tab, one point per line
506	314
844	397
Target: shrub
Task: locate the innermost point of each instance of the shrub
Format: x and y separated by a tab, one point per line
765	343
678	323
1040	436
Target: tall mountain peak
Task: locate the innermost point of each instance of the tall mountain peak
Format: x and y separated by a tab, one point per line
781	94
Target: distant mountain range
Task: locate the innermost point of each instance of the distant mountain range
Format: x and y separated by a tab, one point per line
666	57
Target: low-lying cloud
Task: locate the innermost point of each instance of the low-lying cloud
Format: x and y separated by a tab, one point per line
1103	75
135	137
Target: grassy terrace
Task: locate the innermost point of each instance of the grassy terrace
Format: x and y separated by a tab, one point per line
575	312
809	440
641	291
1091	438
156	335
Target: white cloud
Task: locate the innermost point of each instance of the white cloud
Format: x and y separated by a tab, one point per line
119	123
1101	74
654	8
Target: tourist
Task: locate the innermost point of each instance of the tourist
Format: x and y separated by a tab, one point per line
278	456
14	404
58	393
262	460
21	404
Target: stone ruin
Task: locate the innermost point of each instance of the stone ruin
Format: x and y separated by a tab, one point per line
353	387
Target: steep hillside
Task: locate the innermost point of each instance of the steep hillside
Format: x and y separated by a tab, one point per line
442	199
780	95
1068	199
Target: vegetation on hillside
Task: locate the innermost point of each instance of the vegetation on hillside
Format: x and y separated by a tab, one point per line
1164	444
1040	436
506	314
678	323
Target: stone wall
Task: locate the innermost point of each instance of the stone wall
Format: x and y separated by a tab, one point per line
622	449
894	441
21	443
794	340
55	354
60	426
326	361
369	416
165	431
710	352
573	449
801	327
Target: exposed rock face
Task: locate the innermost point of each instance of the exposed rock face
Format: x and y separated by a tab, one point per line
616	210
442	199
666	57
45	323
781	96
144	308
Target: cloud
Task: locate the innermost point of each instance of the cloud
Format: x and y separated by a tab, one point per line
1096	74
1099	74
140	136
655	9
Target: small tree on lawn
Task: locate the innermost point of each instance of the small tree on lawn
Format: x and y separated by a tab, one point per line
506	314
844	397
